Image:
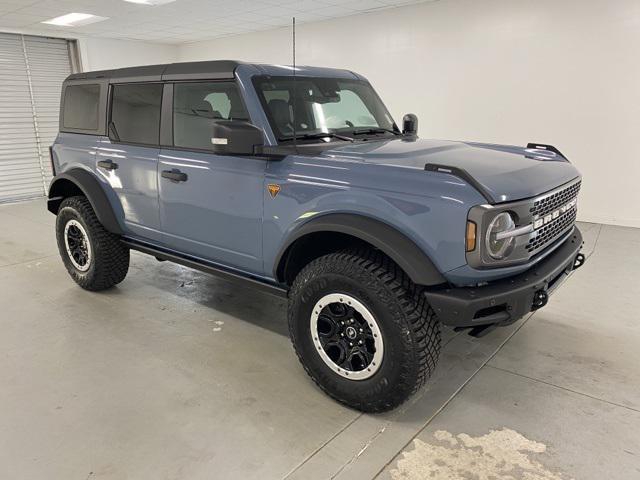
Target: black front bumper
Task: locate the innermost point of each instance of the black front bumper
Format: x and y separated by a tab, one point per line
504	301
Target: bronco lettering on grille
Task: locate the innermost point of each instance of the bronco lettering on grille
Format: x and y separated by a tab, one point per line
549	217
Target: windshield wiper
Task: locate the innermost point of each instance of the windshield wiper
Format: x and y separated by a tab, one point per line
369	131
308	136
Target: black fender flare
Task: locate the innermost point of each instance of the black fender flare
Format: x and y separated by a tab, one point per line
90	186
402	250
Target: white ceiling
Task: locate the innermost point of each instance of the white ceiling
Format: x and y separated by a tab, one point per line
180	21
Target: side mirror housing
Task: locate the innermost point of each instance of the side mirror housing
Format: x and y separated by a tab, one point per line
410	125
235	137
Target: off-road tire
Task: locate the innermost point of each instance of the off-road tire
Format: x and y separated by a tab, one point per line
109	257
409	327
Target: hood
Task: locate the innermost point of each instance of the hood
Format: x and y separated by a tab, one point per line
501	172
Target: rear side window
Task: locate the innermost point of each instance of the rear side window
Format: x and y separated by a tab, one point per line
135	113
196	106
81	106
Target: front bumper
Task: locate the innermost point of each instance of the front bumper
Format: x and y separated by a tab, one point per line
504	301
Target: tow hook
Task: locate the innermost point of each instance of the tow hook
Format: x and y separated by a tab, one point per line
579	261
540	299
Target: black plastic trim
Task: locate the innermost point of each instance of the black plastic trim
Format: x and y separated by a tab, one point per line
207	267
415	263
90	187
507	300
542	146
166	116
52	163
464	175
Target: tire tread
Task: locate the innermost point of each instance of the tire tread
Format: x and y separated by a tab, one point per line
111	257
424	328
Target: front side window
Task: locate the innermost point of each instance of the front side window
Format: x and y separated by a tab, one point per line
322	105
135	113
196	106
80	109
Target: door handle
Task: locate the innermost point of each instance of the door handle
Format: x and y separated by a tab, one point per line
107	164
174	175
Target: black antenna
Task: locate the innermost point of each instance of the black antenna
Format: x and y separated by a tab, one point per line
295	143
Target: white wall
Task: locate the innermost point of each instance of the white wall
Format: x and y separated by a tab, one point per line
564	72
105	53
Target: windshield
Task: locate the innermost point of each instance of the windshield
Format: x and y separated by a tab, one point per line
336	106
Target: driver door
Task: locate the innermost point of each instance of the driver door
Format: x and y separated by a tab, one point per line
210	205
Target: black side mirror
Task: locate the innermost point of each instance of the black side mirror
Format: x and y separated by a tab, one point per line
235	137
410	125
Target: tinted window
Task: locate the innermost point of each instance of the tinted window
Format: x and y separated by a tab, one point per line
135	113
196	106
81	106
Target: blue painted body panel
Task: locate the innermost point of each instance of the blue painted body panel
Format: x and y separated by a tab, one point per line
224	213
506	172
135	182
418	204
217	213
72	150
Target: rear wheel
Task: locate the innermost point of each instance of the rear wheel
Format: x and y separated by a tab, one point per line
94	257
362	330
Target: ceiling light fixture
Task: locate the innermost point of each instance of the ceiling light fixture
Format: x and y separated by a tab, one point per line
75	20
150	2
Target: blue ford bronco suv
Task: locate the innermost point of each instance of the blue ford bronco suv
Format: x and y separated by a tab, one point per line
300	183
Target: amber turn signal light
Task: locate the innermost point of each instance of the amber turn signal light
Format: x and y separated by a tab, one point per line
471	236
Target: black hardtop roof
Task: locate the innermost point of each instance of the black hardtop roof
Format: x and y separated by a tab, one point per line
168	71
209	70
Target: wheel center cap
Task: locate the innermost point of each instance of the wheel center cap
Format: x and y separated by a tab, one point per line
351	333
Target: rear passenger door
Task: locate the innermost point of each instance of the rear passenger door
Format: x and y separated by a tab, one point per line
128	158
210	205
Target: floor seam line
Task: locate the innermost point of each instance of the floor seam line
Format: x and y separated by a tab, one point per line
317	450
595	243
381	430
455	394
564	388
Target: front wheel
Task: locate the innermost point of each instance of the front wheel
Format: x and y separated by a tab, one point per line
363	332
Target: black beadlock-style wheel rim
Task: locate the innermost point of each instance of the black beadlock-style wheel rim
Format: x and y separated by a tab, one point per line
346	336
77	244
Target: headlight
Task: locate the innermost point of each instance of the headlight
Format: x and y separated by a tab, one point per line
499	246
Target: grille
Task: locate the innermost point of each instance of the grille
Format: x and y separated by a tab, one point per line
554	229
549	204
551	231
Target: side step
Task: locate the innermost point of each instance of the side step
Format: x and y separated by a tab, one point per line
206	267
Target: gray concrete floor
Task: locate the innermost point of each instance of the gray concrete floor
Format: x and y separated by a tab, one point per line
177	375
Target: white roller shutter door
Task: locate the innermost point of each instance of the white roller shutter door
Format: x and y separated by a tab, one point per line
31	73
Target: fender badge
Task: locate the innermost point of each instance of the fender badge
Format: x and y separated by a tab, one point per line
274	189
